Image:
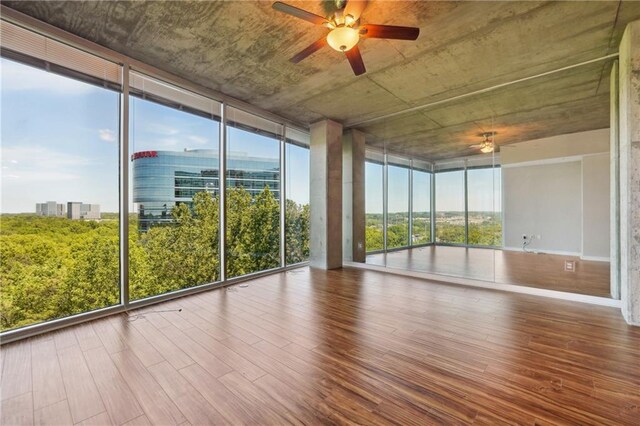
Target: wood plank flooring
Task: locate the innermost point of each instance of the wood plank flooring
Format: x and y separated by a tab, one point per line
503	266
348	346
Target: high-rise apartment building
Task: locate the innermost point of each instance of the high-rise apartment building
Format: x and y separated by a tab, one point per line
77	210
50	208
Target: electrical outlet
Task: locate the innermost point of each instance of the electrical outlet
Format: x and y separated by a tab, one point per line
570	265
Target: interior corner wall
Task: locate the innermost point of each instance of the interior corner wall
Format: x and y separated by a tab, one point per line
558	188
595	207
545	200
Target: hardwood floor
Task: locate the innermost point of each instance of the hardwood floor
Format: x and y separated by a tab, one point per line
502	266
348	346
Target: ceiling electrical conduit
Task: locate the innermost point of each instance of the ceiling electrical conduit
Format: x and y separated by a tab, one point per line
351	124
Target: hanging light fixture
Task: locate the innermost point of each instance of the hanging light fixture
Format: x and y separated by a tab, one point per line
343	38
487	145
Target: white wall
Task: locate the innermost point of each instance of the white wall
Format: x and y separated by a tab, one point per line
572	144
544	200
558	188
595	209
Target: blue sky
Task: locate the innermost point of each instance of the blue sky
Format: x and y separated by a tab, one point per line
59	140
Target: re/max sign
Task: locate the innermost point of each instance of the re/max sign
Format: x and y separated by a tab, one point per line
144	154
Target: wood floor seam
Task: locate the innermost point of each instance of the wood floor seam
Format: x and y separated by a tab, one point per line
348	346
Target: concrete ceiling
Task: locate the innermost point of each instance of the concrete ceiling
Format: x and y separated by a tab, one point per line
242	48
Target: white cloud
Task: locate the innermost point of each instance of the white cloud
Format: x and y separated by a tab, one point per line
18	77
42	176
167	142
198	140
107	135
40	163
161	129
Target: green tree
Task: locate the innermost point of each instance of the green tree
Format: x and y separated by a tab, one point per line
239	259
181	254
54	267
297	236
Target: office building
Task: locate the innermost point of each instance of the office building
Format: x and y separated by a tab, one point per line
77	210
161	179
51	209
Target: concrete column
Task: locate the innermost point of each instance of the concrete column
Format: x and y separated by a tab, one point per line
614	179
629	81
353	216
326	195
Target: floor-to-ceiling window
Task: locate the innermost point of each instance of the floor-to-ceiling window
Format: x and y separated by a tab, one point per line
297	214
484	206
397	203
174	195
60	214
374	204
71	187
253	193
450	207
421	206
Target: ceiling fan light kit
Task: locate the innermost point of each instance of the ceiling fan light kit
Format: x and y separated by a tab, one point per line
488	145
343	38
487	148
345	31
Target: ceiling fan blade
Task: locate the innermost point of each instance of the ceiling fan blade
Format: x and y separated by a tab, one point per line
355	8
299	13
355	59
478	145
309	50
389	31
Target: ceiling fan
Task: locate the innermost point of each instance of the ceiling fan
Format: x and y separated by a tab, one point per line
345	31
487	145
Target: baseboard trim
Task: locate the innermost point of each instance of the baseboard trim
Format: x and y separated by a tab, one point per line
543	251
596	258
574	297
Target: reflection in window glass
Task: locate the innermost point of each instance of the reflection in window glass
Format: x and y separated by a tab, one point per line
398	207
174	209
59	239
450	216
253	202
297	205
485	221
373	206
421	227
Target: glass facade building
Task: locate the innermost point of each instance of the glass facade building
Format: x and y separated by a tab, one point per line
162	179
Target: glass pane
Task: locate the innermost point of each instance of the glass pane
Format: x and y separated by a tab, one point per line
174	206
253	197
297	207
421	208
60	214
373	206
485	222
398	207
450	207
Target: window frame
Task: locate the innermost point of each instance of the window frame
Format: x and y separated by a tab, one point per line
128	65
